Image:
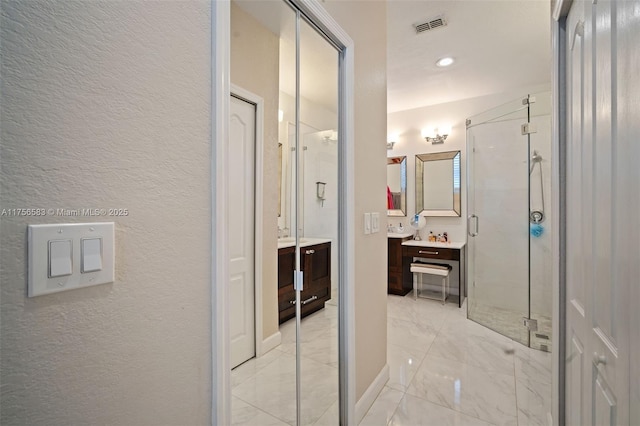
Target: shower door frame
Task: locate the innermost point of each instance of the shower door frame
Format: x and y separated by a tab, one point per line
527	129
220	92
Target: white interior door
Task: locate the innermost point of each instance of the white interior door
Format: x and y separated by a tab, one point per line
241	214
599	183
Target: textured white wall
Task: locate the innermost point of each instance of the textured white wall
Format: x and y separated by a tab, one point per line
106	104
370	178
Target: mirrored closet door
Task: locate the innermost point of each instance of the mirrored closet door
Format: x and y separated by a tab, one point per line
285	72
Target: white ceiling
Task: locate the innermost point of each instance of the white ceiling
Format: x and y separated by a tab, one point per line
498	46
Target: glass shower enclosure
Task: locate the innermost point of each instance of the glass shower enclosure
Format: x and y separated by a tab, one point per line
509	208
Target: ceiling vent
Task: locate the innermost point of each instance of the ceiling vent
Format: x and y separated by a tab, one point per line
432	24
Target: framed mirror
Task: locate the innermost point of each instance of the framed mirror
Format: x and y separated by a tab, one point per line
438	184
397	186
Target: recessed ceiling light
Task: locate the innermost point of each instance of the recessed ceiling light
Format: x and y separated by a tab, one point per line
444	62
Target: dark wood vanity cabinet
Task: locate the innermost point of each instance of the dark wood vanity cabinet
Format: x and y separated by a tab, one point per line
396	284
315	262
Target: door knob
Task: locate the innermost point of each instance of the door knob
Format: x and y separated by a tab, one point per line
599	359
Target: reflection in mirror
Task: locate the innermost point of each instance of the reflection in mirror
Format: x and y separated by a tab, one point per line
293	374
397	186
318	211
438	184
279	180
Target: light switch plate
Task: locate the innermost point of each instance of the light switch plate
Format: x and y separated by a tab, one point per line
367	223
39	238
375	222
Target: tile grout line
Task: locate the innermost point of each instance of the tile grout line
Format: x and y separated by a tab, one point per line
262	411
396	409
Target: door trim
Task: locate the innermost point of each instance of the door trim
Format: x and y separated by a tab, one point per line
258	215
559	209
220	91
220	350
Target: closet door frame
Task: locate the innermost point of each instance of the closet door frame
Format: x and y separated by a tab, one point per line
220	92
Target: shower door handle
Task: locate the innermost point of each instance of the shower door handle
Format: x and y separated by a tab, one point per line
477	228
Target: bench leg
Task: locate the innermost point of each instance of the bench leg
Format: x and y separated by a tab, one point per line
415	286
448	286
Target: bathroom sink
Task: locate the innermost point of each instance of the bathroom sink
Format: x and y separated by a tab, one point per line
399	234
291	240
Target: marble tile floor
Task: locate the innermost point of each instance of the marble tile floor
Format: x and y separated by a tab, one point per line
444	370
263	389
448	370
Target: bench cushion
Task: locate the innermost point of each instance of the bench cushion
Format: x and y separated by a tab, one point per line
431	268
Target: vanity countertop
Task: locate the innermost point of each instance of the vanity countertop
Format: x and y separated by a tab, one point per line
451	244
400	235
304	242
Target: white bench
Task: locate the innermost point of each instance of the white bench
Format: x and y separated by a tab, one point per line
431	269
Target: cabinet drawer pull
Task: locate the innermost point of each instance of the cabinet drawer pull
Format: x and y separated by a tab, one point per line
310	251
304	302
427	252
311	299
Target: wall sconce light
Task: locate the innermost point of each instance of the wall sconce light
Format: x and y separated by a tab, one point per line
391	141
435	137
330	135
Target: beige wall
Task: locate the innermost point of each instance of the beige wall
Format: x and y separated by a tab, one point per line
370	111
254	47
107	104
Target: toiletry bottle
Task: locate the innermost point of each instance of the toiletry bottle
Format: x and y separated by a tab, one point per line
432	237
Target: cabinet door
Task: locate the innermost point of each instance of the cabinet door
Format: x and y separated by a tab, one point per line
286	293
395	254
316	261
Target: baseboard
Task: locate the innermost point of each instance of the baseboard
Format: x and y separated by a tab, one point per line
270	342
369	396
